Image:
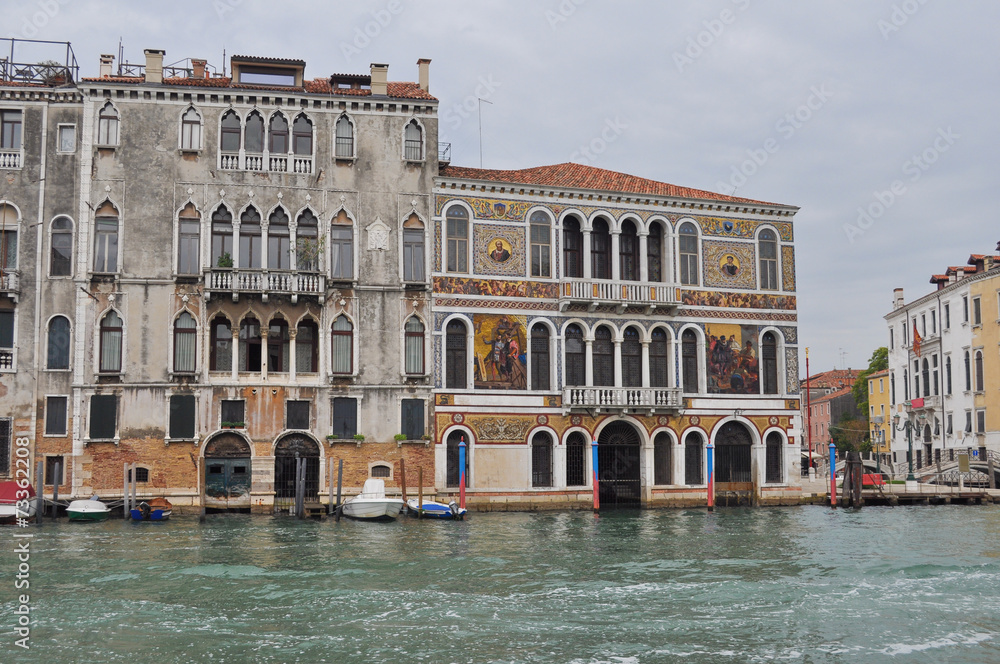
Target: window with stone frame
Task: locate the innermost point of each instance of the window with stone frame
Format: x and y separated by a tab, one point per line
56	415
572	248
413	249
576	354
600	250
11	132
342	247
628	251
687	246
182	416
189	241
541	368
456	356
58	355
106	239
457	239
541	245
342	346
603	356
185	343
414	346
413	137
191	130
344	148
279	254
112	331
107	126
221	353
250	239
767	245
61	247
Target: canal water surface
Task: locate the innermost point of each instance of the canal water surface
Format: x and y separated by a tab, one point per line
804	584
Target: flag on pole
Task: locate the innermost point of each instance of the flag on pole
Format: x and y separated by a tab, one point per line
916	339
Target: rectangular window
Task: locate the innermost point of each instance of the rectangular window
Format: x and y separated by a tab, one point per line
233	412
933	322
968	421
923	325
458	245
10	130
881	385
182	410
187	247
541	250
341	253
412	419
56	415
345	417
103	416
55	470
950	423
8	250
980	421
106	245
906	334
6	428
946	324
67	138
297	415
413	254
977	312
965	308
892	343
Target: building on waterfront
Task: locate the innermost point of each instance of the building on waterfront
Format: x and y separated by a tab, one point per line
879	413
574	304
940	364
230	274
816	415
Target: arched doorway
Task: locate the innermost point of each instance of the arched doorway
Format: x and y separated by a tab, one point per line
618	465
227	473
451	462
733	468
287	452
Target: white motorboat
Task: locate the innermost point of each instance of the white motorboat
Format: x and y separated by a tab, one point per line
11	494
372	503
87	510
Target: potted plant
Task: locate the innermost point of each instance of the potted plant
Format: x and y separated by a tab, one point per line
360	437
400	437
225	260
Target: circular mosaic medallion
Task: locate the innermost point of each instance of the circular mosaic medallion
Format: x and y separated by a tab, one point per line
457	418
773	421
664	420
576	420
543	419
695	420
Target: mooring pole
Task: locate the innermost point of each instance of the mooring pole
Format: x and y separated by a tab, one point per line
461	473
420	491
833	474
55	487
402	479
135	485
125	492
710	458
204	478
597	485
40	495
300	487
329	489
340	480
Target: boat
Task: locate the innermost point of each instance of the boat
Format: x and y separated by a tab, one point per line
433	509
372	503
9	496
88	510
157	509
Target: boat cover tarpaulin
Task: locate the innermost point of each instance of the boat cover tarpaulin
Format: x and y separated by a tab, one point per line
8	492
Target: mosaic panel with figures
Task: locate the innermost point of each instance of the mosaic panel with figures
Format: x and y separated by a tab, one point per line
495	287
741	228
728	264
788	268
499	250
489	208
792	370
737	300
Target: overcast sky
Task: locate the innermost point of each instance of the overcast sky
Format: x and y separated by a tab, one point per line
886	106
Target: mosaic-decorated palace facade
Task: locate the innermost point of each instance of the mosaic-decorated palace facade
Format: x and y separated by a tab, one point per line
572	305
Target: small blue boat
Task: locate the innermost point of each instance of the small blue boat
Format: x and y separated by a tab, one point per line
435	510
157	509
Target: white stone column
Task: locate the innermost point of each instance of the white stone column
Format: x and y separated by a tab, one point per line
292	334
618	362
235	354
616	268
586	258
645	363
643	258
589	359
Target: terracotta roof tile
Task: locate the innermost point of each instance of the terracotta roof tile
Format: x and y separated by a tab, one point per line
832	395
579	176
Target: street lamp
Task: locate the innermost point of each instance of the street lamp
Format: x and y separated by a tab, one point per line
878	420
908	427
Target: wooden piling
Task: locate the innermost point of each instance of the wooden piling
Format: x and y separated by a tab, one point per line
402	478
125	510
340	481
330	507
300	487
135	486
203	479
40	495
420	491
55	488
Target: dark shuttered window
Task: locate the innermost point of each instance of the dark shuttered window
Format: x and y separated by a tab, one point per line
182	416
345	417
412	419
103	416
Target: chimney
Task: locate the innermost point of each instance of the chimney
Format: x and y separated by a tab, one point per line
424	67
897	298
154	65
106	63
198	68
988	263
380	77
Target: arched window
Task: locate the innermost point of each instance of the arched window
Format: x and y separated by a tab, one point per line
572	248
541	459
302	136
687	247
576	460
342	346
106	238
927	378
631	358
345	138
253	133
278	346
774	467
767	244
414	142
452	454
230	132
414	342
654	253
769	364
662	465
61	251
278	240
250	349
185	343
456	357
189	240
8	237
107	125
540	365
250	239
58	355
111	343
600	250
222	237
342	247
278	134
628	252
689	361
692	459
457	233
576	356
307	242
659	364
979	371
413	249
603	353
191	130
306	347
221	358
541	245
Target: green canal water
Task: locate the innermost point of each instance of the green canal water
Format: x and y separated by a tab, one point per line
804	584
